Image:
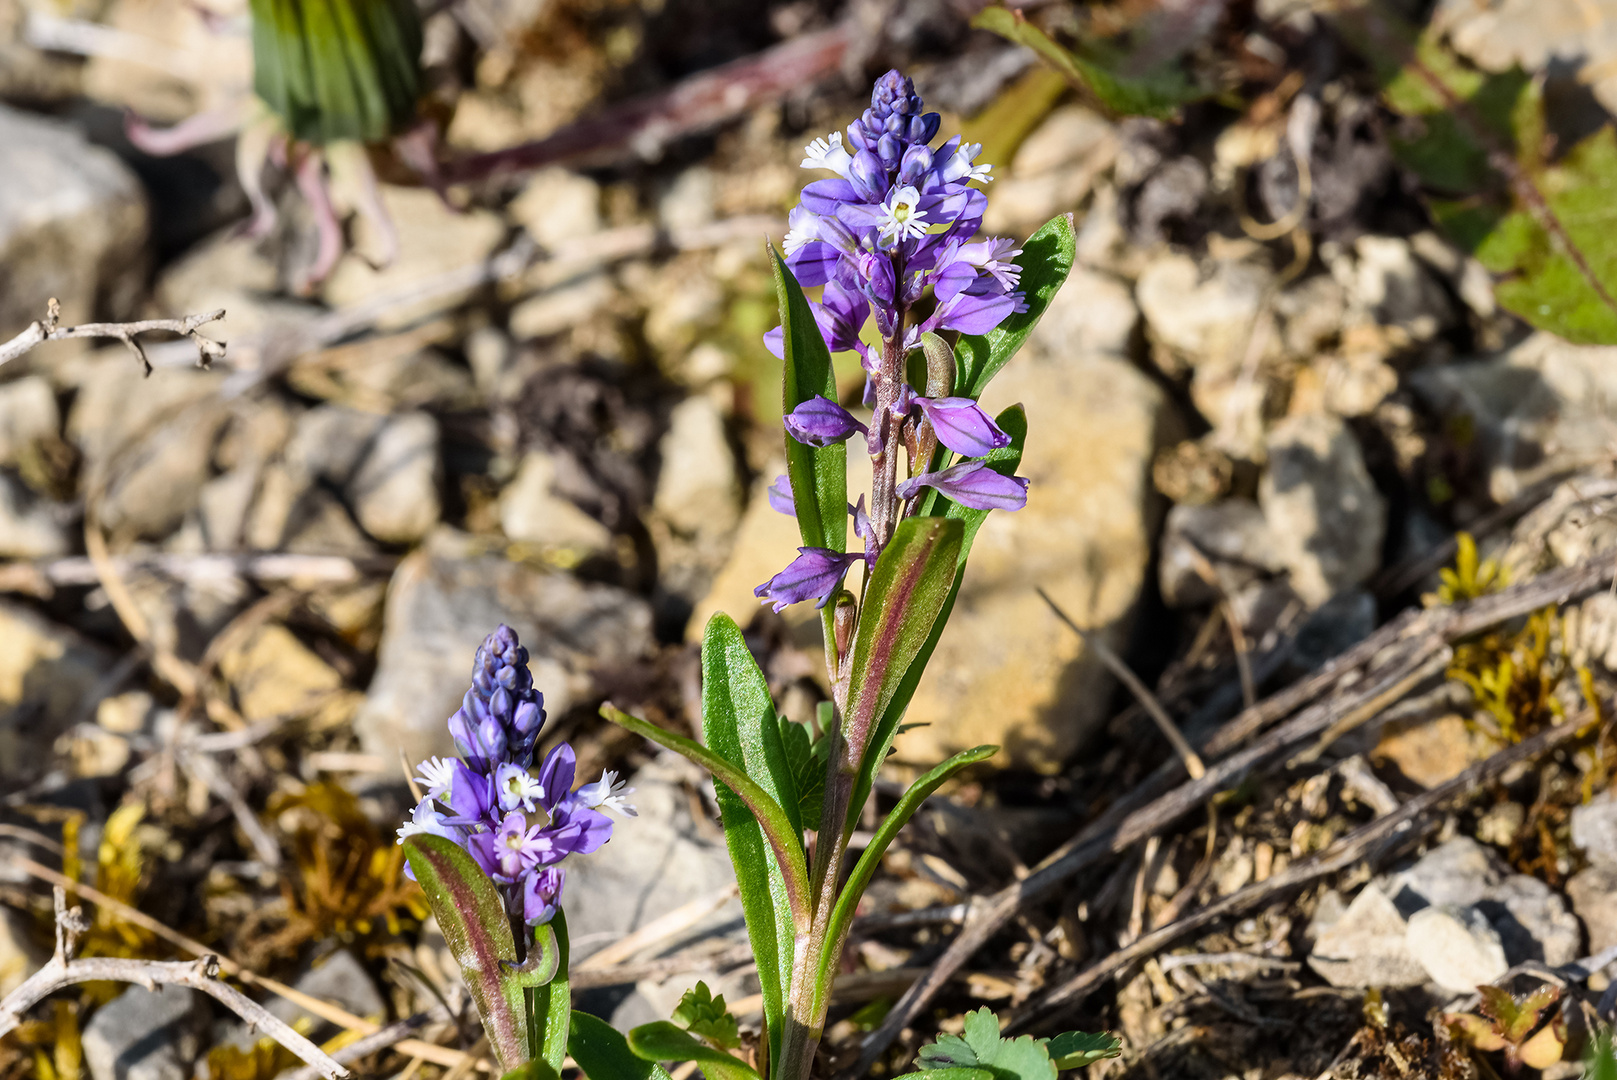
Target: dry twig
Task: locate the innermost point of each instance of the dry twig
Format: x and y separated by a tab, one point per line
46	329
202	974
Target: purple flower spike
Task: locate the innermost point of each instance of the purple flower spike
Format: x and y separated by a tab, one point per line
780	496
816	574
963	426
819	421
972	484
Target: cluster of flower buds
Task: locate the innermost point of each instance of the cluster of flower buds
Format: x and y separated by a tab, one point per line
517	826
900	218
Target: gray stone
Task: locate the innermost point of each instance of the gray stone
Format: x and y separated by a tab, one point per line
1594	831
394	492
1366	946
147	442
145	1035
1390	285
1571	35
1053	170
1457	946
1233	536
337	979
1204	316
28	416
1534	408
1326	515
20	954
1458	872
72	225
689	201
30	527
1532	921
1336	626
445	598
1093	312
663	859
531	511
1593	892
45	672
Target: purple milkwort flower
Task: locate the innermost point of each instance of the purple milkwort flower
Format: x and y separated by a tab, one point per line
973	484
816	573
819	421
541	891
963	426
780	496
515	825
608	793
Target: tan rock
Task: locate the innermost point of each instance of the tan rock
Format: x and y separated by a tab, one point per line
276	675
433	240
1429	753
1006	671
532	513
765	542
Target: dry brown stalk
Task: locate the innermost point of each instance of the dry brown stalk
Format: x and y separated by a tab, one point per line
46	329
63	970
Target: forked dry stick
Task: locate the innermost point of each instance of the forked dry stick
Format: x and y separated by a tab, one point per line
46	329
201	974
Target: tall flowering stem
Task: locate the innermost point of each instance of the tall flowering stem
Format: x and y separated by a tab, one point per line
487	842
890	239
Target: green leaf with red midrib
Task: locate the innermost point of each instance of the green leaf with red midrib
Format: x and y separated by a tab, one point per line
475	926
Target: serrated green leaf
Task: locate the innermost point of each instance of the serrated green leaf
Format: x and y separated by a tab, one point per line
980	1047
739	725
1476	142
807	758
1075	1049
603	1052
472	917
1013	421
907	589
662	1041
706	1017
1046	260
1096	71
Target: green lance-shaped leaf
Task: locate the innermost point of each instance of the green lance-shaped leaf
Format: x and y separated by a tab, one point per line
662	1041
907	589
740	726
776	826
603	1052
1095	71
819	474
957	1072
472	917
1046	260
865	868
550	999
537	1069
1013	421
338	69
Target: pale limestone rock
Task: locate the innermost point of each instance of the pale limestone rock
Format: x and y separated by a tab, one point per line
1324	511
532	513
1006	671
557	205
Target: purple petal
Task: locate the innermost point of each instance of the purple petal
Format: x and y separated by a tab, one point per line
972	484
541	893
556	775
780	496
824	196
816	573
963	426
973	314
775	342
471	794
819	421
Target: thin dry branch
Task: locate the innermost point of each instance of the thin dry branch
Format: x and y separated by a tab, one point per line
1398	651
47	329
202	974
387	1037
